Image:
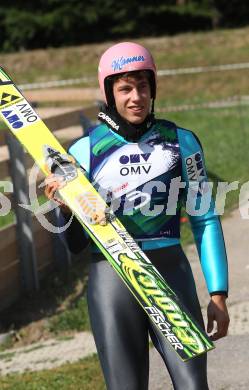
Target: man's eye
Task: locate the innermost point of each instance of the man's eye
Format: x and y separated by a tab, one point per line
125	89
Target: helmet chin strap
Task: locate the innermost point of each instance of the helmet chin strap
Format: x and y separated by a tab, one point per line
125	129
152	107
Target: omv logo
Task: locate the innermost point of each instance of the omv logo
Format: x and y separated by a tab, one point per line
119	63
135	164
195	167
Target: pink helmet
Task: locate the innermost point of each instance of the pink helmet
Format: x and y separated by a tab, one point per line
125	57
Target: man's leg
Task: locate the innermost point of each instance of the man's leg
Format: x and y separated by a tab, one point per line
120	329
174	267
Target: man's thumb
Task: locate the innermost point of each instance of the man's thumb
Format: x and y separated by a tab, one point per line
210	324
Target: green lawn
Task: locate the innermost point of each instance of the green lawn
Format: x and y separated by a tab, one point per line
224	134
182	50
83	375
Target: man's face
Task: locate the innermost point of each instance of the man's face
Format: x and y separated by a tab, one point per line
132	97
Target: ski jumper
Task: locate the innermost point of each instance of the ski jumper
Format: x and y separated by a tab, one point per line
147	183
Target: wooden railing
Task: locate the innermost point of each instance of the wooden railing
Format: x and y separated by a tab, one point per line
13	274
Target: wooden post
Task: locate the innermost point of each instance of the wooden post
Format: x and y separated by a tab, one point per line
25	241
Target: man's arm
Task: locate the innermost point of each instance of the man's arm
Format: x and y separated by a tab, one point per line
207	232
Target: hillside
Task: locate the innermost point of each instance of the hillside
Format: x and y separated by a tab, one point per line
183	50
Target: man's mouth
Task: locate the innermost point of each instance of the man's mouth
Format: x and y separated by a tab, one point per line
136	108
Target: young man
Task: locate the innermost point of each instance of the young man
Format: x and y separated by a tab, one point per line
148	169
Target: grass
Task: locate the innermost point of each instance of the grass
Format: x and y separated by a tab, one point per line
7	356
224	135
74	318
85	374
7	343
7	219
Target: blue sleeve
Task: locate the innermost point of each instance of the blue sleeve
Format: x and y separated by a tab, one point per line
80	150
204	220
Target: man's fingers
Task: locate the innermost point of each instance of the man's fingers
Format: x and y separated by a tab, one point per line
222	324
219	334
54	179
51	189
218	317
53	183
210	318
210	325
99	218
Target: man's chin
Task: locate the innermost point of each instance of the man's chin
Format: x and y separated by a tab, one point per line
136	120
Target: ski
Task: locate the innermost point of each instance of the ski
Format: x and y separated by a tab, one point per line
152	292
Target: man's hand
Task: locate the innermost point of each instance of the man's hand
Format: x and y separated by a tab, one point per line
54	183
99	218
217	311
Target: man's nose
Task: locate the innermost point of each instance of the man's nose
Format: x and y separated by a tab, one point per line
135	94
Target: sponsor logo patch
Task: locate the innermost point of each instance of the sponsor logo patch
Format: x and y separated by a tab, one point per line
135	164
108	120
120	188
90	205
119	63
196	174
19	115
195	167
8	98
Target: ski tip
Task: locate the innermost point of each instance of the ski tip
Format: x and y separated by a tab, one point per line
4	76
